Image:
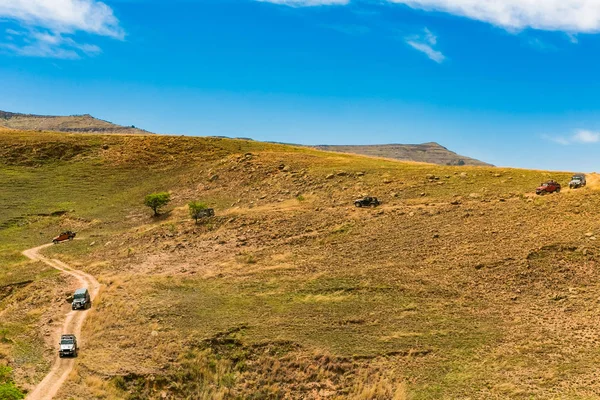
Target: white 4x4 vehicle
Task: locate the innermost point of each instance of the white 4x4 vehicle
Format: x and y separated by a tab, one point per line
68	346
577	181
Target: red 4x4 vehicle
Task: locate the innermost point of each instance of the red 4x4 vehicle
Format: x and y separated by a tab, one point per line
548	187
68	235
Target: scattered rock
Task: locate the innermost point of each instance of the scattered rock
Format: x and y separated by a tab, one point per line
105	147
213	178
360	173
387	181
456	203
463	175
330	176
436	236
287	168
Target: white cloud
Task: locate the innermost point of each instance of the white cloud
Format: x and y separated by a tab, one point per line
579	137
48	26
64	16
586	137
571	16
424	43
307	3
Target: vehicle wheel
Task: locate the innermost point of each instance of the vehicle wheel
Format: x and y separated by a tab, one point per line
358	205
55	241
558	190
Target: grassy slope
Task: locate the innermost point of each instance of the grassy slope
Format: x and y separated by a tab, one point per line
461	285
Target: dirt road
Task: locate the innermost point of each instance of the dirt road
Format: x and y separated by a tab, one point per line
62	367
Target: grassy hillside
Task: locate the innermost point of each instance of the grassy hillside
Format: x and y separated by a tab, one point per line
463	284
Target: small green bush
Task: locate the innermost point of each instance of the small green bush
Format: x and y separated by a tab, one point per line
8	391
157	200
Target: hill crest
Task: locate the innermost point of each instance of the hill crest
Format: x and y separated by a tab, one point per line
430	152
84	123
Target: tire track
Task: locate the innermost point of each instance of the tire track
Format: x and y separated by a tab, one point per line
74	320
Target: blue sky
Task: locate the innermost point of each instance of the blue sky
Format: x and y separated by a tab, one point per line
514	84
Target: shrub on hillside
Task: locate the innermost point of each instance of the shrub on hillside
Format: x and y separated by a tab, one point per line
8	390
157	200
197	209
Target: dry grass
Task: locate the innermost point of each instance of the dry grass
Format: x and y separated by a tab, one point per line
462	285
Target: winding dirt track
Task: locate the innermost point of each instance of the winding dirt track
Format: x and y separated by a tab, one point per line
62	367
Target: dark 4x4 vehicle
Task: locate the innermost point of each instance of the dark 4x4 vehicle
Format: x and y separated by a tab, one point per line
67	235
548	187
367	202
577	181
81	300
68	346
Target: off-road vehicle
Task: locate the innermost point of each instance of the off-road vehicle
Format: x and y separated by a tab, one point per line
67	235
207	212
577	181
81	300
548	187
367	202
68	346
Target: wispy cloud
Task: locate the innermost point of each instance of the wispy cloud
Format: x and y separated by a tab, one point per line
586	137
579	137
424	43
48	27
541	45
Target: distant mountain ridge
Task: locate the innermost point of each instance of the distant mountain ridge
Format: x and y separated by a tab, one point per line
69	124
431	152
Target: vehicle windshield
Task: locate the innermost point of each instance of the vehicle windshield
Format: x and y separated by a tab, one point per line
577	178
79	296
66	341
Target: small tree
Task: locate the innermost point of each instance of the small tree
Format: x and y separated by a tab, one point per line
197	209
157	200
